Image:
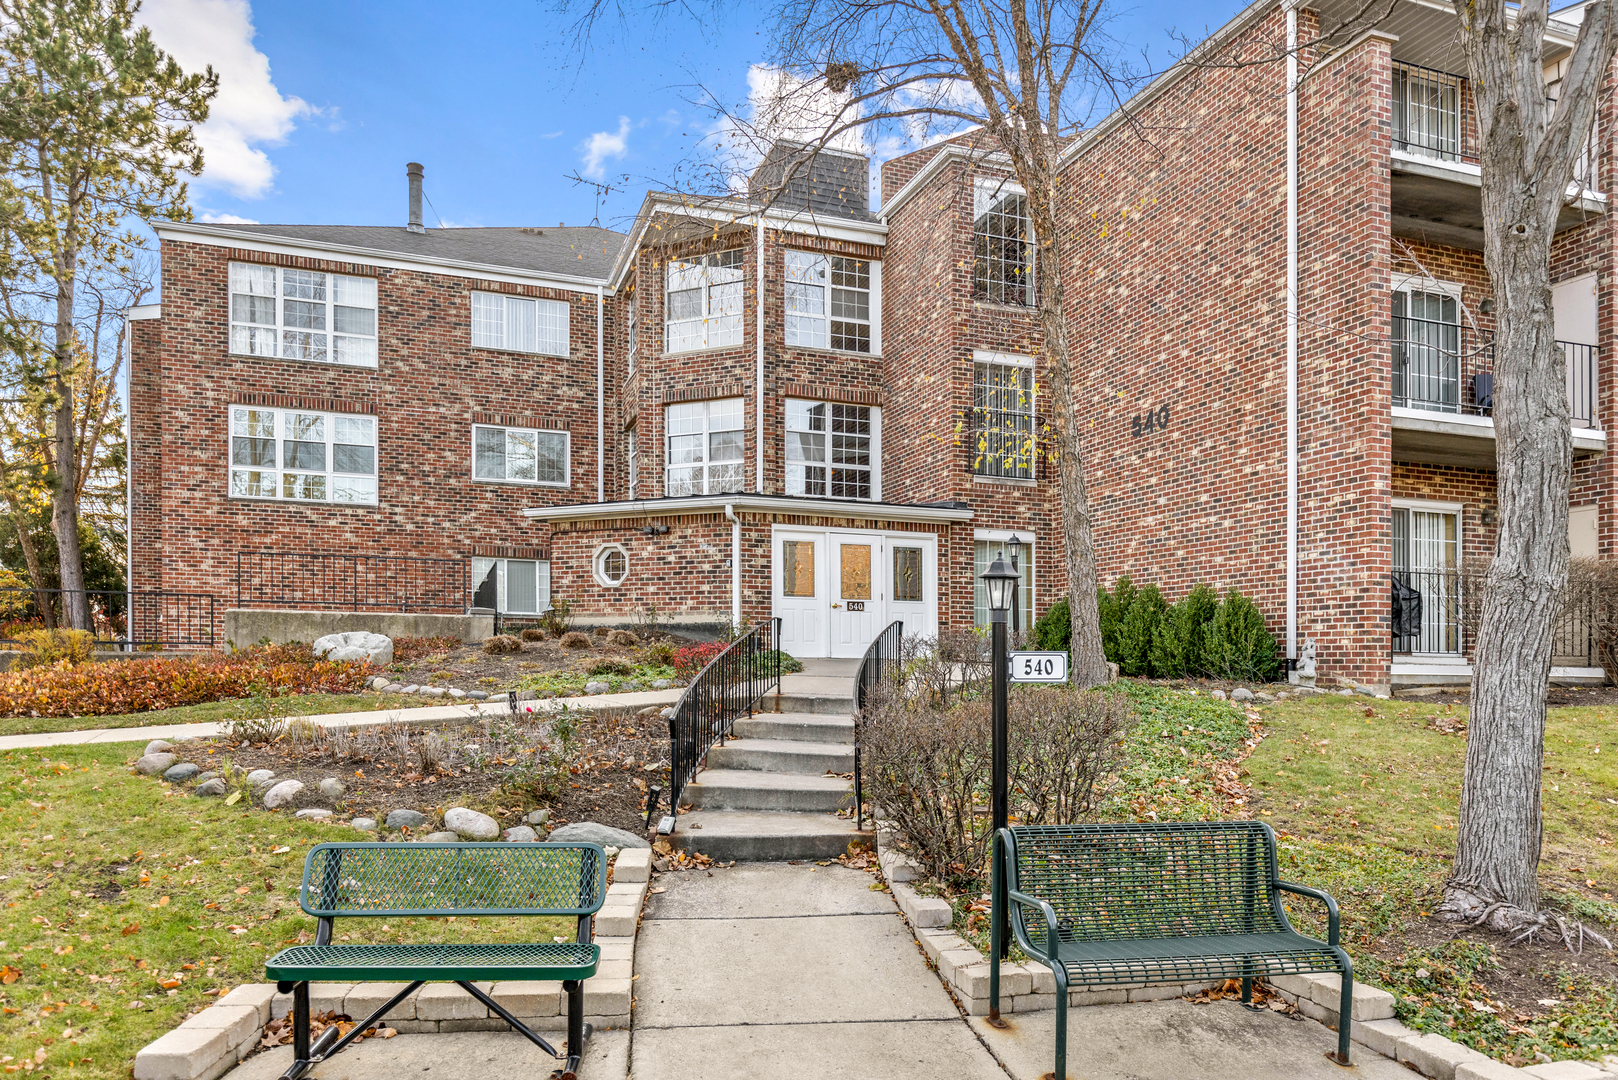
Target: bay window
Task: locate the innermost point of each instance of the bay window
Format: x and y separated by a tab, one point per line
703	308
519	324
705	447
302	315
520	455
302	456
833	450
833	302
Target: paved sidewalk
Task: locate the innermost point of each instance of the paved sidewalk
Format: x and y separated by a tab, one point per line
768	971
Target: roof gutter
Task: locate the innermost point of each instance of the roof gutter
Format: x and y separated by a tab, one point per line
763	504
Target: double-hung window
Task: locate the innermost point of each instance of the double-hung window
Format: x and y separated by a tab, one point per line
520	455
705	446
986	546
511	586
302	456
1002	436
632	460
632	328
302	315
1002	244
833	302
832	450
519	324
704	302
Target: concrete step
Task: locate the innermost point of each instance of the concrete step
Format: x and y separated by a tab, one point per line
745	836
797	727
744	789
819	704
782	756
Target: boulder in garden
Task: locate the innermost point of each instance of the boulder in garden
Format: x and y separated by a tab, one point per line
589	832
355	645
282	794
469	824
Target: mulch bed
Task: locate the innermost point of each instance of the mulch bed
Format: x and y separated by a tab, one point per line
450	663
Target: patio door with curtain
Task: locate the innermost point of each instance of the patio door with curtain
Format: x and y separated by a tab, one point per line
1426	562
1426	350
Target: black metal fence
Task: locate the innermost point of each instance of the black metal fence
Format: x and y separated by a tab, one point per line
1436	613
300	580
119	618
727	688
880	664
1445	367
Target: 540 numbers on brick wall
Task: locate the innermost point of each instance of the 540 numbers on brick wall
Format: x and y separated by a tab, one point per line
1149	421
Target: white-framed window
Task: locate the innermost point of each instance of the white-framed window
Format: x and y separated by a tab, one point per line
302	315
630	355
1427	581
511	586
632	460
302	456
988	543
703	303
1002	435
833	450
519	324
520	455
1002	244
610	566
705	447
1428	356
833	302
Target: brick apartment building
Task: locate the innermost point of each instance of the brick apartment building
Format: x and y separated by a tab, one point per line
803	407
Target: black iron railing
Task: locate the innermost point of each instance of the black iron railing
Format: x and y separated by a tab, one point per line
118	618
727	688
1444	367
298	580
1437	612
881	664
1583	393
1432	114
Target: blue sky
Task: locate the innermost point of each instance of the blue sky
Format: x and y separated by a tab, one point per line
323	103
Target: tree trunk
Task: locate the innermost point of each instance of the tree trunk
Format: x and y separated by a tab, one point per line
1089	659
30	559
64	501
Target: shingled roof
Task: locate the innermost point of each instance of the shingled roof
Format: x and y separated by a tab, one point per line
581	251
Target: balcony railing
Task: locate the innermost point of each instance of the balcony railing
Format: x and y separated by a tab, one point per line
1435	613
1432	114
1446	368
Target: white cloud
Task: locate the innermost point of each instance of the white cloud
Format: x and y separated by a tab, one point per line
214	218
249	112
602	145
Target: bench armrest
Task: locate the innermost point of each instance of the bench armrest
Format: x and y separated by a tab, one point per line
1049	914
1331	906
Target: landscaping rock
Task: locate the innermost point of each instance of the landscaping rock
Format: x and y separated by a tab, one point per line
406	819
1241	693
432	691
661	684
282	794
1220	694
471	824
477	695
152	764
457	694
311	813
216	786
589	832
1368	691
260	777
538	817
355	645
441	838
158	746
411	688
332	788
393	688
668	712
1345	693
183	771
521	834
364	824
379	682
203	778
595	686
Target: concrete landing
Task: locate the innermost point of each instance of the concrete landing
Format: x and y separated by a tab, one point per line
463	1055
1176	1040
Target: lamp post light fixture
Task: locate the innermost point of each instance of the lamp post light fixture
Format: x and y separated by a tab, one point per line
999	585
1014	546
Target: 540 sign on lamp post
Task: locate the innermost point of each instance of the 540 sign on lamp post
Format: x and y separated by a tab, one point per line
1038	667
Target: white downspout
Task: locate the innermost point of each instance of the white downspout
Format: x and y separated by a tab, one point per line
129	484
1292	329
735	566
758	374
601	402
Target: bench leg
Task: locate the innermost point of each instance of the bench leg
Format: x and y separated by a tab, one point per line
1062	1005
302	1054
1247	990
575	1026
1345	1010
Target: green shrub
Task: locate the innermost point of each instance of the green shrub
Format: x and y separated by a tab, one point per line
1114	609
1137	631
1178	649
1236	644
43	648
1054	629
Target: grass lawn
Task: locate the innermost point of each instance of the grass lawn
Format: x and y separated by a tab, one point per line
125	900
206	712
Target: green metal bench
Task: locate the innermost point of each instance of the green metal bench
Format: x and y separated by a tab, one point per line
405	880
1127	905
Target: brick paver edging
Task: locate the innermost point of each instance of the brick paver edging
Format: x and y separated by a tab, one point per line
212	1042
1029	987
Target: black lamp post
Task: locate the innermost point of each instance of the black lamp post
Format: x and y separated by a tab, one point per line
1014	545
999	581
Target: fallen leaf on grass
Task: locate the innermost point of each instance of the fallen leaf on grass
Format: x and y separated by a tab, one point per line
132	928
9	974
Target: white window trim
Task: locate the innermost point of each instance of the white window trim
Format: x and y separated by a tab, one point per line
875	321
1028	540
280	318
632	457
500	598
1430	506
537	301
984	356
1416	283
707	433
876	448
599	556
567	457
708	318
632	315
280	452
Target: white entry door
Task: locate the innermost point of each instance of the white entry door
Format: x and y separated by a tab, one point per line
858	608
912	565
800	593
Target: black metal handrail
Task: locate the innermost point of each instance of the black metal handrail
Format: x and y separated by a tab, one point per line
1436	612
303	579
1445	367
121	618
1433	114
880	663
728	687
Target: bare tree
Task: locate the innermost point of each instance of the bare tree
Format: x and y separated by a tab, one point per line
1528	145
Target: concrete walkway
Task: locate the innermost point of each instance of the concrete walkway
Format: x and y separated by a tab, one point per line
768	971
